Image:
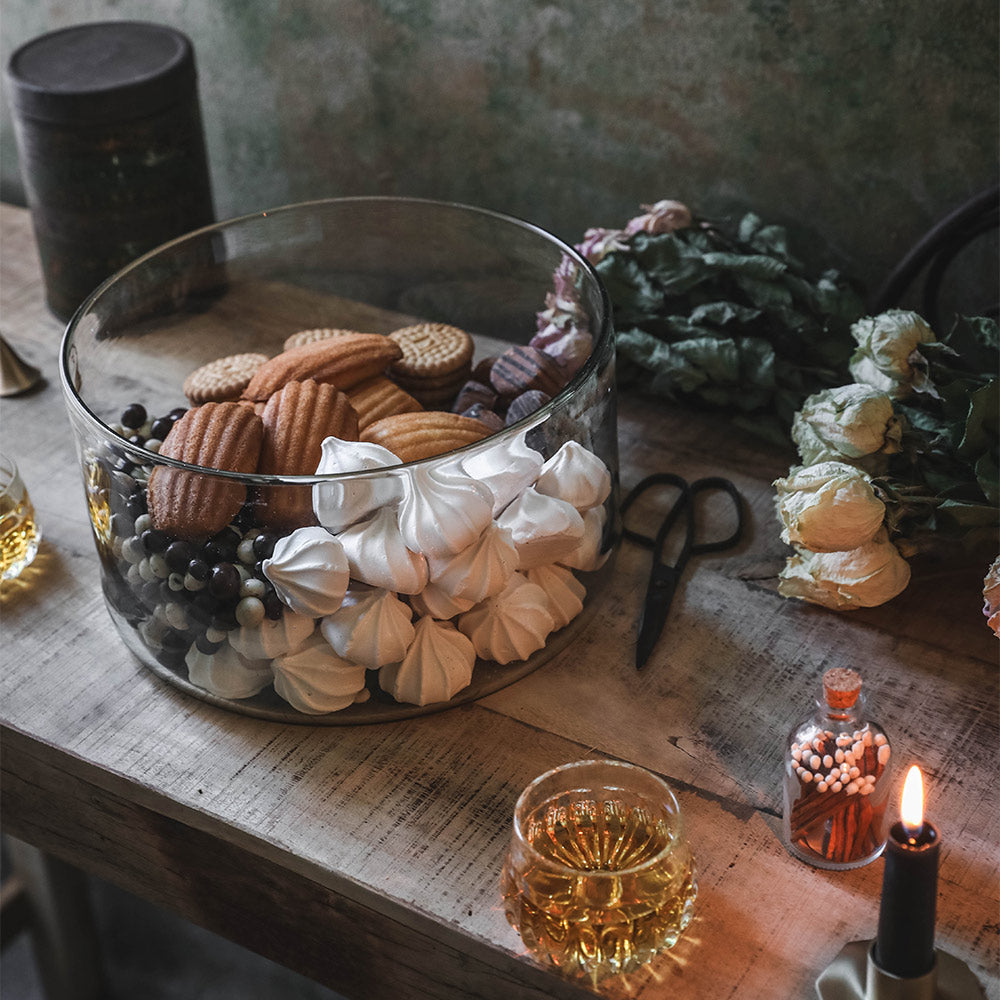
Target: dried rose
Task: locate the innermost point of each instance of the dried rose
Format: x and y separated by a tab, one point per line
887	350
663	217
598	243
991	596
849	423
829	507
863	577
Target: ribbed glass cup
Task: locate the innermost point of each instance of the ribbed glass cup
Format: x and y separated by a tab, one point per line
599	877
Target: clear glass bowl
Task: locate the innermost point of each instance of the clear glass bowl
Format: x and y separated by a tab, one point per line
262	624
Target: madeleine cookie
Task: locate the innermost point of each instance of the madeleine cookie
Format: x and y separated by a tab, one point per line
196	505
311	336
412	436
379	397
342	361
222	380
297	419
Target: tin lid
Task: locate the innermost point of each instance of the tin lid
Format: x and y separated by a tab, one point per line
101	72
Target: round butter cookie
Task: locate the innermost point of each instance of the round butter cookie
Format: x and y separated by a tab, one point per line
431	350
223	379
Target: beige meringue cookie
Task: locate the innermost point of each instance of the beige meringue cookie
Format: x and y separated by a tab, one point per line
544	529
315	680
563	591
478	571
436	667
442	511
340	503
372	627
576	475
511	625
436	603
227	674
309	571
272	637
506	468
587	556
377	555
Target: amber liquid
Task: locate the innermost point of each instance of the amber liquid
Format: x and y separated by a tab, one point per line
18	535
579	913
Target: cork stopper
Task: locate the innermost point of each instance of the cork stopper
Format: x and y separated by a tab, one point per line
841	687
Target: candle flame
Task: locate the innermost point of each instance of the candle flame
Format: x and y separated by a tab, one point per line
912	804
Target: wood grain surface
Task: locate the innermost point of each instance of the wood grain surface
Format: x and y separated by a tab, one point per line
368	857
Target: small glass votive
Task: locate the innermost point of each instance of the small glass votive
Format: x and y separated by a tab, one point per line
599	877
19	530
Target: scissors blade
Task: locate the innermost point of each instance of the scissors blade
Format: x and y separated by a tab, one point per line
659	595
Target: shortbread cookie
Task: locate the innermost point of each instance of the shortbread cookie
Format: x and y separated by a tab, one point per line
222	380
431	350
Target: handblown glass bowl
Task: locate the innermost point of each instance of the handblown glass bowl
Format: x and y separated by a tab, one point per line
397	588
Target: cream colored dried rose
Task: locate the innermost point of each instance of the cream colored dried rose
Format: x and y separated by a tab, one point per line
849	423
861	578
991	596
886	345
828	507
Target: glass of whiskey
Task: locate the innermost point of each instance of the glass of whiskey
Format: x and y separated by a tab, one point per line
19	530
598	878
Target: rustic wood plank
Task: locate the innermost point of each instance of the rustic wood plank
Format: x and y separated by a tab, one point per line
392	835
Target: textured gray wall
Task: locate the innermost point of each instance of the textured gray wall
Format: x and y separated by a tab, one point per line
855	124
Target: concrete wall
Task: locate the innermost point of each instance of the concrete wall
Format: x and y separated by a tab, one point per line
857	125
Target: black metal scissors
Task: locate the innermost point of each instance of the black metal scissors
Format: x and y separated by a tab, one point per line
663	578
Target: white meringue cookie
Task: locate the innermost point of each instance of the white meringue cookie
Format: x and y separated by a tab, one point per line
436	667
436	603
443	512
338	504
377	555
479	571
506	467
587	556
226	673
309	571
575	475
272	637
544	529
372	627
512	625
563	591
315	680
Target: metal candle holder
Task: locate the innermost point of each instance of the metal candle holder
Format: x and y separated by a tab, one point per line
853	975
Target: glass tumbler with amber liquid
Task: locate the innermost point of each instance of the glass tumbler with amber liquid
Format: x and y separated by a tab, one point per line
19	531
599	877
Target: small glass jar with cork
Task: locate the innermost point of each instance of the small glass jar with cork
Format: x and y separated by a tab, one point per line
835	779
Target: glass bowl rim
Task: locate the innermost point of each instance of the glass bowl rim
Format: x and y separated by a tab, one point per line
142	456
677	841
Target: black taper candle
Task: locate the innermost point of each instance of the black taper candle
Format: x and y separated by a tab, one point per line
905	943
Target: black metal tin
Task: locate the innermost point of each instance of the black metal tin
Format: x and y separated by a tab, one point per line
111	148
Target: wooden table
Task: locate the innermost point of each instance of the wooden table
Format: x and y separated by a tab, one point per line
368	857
